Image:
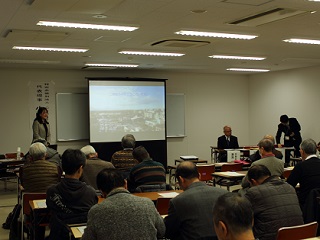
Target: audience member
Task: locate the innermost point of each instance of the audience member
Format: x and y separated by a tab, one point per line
227	141
122	215
233	218
274	165
70	200
52	154
256	156
123	158
190	213
147	172
93	166
38	174
307	173
275	203
292	137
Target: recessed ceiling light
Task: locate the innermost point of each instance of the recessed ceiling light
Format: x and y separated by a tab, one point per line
86	26
99	16
248	69
78	50
199	11
152	53
237	57
299	40
111	65
28	61
216	34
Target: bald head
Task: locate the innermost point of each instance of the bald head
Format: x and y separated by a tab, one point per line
270	137
187	170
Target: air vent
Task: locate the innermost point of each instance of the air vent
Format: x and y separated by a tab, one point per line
267	17
180	43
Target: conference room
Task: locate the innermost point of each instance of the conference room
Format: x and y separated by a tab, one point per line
250	102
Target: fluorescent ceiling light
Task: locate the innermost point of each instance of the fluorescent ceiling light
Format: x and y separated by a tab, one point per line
314	0
78	50
217	35
305	41
237	57
153	53
28	61
86	26
248	69
111	65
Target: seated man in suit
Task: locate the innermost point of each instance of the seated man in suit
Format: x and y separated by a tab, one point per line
233	217
307	173
256	156
93	166
227	141
121	215
190	213
274	165
147	172
274	202
70	200
123	158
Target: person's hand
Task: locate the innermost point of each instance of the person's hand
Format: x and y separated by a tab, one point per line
292	134
279	145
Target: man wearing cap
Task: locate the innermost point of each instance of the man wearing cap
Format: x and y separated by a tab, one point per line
93	167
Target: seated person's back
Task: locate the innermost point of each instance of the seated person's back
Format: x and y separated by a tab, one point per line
38	174
71	199
123	158
93	166
122	215
147	172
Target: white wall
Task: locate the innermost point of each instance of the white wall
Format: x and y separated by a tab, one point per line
293	92
211	102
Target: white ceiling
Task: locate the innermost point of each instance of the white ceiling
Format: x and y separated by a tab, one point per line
158	20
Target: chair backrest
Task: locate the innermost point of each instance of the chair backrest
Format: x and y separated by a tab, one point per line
26	209
205	171
308	230
13	155
162	205
231	167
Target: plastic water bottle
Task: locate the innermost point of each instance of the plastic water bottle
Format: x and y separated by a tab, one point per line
18	153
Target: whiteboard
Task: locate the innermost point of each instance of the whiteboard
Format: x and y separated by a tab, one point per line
175	110
72	116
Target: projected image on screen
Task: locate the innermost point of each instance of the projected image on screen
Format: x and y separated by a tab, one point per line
121	107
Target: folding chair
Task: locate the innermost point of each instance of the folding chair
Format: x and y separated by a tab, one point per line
162	205
308	230
205	171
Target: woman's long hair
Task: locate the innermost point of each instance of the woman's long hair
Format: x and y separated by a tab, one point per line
38	117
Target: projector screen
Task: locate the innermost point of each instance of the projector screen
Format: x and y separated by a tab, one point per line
119	107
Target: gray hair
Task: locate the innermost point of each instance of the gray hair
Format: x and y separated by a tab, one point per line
88	150
309	146
267	144
37	151
128	141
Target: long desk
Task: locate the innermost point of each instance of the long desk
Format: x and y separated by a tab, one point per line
155	195
233	176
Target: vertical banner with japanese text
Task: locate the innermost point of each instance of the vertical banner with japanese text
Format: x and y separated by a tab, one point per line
42	94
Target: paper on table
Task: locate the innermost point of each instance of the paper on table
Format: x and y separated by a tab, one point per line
41	203
169	194
232	174
81	229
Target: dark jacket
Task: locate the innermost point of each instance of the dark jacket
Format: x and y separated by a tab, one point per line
190	213
256	156
294	127
222	142
275	205
307	173
69	202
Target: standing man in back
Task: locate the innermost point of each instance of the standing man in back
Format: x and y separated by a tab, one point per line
190	213
292	137
227	141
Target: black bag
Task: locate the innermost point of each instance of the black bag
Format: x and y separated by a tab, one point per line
9	220
13	224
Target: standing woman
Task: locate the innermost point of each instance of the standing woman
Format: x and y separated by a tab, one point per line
40	126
